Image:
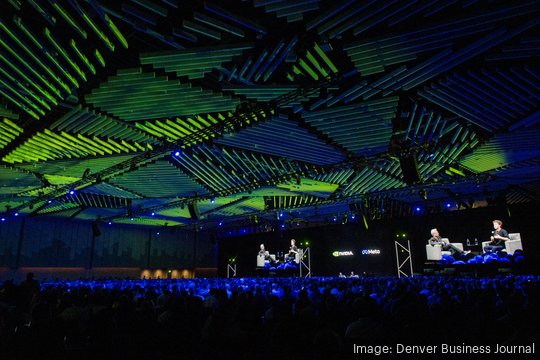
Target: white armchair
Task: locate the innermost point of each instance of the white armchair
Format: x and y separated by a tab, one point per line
261	261
299	256
511	245
435	252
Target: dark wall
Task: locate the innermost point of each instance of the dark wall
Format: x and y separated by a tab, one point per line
49	242
456	225
323	242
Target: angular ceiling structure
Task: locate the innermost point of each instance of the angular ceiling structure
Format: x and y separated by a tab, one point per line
168	112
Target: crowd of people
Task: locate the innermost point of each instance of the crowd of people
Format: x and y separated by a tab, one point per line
260	318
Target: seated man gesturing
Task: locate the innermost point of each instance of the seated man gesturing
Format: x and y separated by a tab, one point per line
445	245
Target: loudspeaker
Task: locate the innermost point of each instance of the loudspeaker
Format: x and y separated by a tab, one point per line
193	211
95	229
409	168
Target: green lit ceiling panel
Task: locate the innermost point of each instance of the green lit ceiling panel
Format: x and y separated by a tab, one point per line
49	145
159	179
315	65
268	92
149	221
194	63
59	179
17	181
75	167
49	50
9	131
180	127
363	128
310	187
90	123
136	95
503	149
177	212
111	190
252	204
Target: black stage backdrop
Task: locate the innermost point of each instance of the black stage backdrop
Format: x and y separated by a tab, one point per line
380	237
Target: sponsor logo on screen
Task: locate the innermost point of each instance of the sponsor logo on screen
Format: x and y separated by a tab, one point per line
371	252
342	253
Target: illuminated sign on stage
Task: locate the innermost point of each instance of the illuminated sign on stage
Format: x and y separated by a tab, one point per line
371	252
342	253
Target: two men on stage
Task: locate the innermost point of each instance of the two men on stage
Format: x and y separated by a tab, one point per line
498	238
290	256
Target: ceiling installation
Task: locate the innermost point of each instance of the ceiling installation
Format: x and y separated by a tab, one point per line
265	112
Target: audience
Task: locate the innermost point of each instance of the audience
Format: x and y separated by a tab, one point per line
260	318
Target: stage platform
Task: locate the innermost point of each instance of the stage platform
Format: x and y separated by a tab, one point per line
476	270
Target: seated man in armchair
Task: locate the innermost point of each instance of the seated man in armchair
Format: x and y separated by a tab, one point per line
445	245
498	237
266	254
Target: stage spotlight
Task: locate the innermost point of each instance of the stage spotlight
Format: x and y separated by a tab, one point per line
177	153
49	201
153	213
110	223
282	226
448	205
281	214
71	192
212	200
16	214
353	216
132	219
3	219
220	223
418	209
157	233
334	218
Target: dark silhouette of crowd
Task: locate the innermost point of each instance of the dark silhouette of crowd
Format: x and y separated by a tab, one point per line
260	318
